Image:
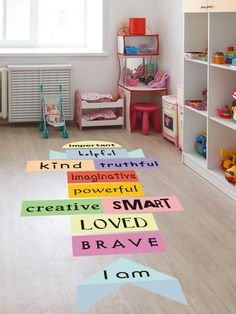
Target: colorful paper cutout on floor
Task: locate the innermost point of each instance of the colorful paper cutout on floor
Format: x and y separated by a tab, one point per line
59	165
56	155
129	163
147	204
124	271
96	153
110	244
130	229
102	176
103	224
138	153
62	207
104	190
91	144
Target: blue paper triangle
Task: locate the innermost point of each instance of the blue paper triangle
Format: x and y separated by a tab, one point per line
87	295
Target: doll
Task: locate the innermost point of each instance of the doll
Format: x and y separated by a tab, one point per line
51	111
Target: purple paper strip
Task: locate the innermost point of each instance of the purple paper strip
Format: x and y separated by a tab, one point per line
127	163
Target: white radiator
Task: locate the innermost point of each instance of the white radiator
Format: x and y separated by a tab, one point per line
3	93
24	90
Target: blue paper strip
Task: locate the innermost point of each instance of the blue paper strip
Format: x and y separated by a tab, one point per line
124	271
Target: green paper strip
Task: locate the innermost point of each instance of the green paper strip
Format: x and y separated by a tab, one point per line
61	207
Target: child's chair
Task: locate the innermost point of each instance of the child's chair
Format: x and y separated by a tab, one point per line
145	108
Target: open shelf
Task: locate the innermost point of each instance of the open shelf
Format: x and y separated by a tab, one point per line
196	61
224	66
201	112
86	123
219	174
226	122
197	159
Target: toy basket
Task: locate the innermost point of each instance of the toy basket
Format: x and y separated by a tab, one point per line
132	82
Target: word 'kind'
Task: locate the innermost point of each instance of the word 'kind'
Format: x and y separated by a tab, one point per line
59	165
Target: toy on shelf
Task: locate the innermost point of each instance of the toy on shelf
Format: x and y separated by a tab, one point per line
229	164
204	93
230	175
197	104
123	30
201	144
230	55
225	113
196	55
233	63
219	57
230	159
234	106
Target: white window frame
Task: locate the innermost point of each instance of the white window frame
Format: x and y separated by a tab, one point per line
30	47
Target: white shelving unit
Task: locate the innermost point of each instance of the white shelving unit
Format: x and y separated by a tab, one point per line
214	31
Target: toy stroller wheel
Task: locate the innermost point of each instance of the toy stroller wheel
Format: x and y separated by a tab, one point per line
45	134
41	127
65	134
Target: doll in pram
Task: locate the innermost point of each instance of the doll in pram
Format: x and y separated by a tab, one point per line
52	113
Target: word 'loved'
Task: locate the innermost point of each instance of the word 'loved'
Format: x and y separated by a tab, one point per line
112	224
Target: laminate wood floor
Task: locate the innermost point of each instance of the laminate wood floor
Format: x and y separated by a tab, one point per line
38	274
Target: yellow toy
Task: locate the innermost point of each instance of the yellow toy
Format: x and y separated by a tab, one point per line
230	160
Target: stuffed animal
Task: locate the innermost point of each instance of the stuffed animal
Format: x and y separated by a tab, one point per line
123	30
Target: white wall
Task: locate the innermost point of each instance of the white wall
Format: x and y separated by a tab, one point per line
99	73
169	19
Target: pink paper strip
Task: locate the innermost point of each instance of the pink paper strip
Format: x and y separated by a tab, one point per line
146	204
110	244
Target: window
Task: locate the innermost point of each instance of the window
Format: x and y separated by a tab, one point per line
52	24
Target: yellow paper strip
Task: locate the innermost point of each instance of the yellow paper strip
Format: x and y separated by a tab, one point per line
105	189
91	144
103	224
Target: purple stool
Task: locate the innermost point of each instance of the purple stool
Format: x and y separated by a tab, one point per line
145	108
